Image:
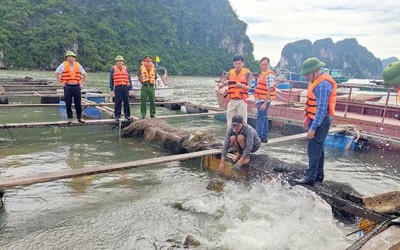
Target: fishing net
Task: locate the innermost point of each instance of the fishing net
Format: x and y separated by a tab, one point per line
174	139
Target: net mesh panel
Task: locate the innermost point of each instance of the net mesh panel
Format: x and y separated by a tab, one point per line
43	134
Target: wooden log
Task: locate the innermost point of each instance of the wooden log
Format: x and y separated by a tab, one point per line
65	174
388	202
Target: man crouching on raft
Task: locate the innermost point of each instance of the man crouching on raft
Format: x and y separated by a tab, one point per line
244	139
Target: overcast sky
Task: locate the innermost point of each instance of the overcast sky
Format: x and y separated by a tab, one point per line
273	24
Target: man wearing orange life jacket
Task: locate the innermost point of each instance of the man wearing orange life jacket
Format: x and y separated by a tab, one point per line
120	85
320	108
71	75
239	82
147	77
264	94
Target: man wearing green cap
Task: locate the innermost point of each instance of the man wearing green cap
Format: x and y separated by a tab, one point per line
71	75
147	77
120	86
391	77
320	108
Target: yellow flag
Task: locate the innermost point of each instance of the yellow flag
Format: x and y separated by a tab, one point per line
157	59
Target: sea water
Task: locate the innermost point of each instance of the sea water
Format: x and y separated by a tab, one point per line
134	209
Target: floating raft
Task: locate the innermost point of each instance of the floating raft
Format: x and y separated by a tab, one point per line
66	174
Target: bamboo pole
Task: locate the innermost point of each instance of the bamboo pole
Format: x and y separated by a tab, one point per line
66	174
301	136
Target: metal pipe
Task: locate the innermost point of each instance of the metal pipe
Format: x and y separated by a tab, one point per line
347	103
290	94
384	111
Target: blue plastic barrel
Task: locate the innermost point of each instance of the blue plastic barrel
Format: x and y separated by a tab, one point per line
283	85
62	108
97	99
341	141
91	113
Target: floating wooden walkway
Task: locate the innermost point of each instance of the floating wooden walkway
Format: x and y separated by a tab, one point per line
92	122
65	174
36	105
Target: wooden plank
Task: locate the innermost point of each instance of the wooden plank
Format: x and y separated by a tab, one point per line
388	202
36	105
352	208
90	122
191	115
388	239
301	136
28	105
65	174
57	124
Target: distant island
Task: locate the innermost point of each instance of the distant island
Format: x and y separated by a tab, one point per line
355	60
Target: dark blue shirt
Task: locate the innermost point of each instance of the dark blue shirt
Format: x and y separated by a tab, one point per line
322	93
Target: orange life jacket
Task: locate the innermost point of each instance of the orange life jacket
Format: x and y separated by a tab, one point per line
233	91
148	75
261	91
69	76
120	76
311	100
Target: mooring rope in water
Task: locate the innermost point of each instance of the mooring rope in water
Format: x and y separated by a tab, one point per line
1	198
8	129
119	129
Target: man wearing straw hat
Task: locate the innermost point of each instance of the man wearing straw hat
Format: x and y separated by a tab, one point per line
71	75
120	86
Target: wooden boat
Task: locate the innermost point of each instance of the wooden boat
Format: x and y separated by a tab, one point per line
336	74
161	86
377	113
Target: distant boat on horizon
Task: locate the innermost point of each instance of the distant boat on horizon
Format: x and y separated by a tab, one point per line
336	74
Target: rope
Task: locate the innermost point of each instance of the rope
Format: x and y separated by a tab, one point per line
1	198
119	129
362	229
8	129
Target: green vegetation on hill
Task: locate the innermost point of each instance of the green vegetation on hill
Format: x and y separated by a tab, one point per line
190	37
348	55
